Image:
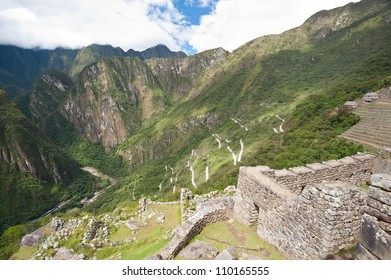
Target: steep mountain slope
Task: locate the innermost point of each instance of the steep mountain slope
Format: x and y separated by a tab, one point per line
191	122
34	173
19	67
111	99
274	101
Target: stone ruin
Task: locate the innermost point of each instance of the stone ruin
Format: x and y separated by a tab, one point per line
209	209
375	236
314	211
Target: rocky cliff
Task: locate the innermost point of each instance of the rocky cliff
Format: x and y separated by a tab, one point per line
111	98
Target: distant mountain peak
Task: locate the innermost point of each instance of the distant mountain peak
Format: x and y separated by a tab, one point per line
158	51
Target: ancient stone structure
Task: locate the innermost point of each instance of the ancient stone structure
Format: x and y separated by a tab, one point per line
375	238
308	212
210	212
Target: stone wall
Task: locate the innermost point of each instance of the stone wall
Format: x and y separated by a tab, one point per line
375	238
355	170
210	212
308	212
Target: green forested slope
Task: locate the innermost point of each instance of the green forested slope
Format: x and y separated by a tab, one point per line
277	101
35	175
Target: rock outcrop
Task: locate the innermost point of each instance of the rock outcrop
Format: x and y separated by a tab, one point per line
199	250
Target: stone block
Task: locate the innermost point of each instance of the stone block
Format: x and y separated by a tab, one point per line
382	166
377	214
199	250
317	166
379	206
385	226
364	254
382	181
347	160
67	254
380	195
300	170
283	173
332	163
363	157
156	257
31	240
228	254
375	239
264	168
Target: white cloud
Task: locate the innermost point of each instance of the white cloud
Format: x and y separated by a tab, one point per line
19	14
200	3
140	24
235	22
136	24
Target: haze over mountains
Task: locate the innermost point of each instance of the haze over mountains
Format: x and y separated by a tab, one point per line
166	120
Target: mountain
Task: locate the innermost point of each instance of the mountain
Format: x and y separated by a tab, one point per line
35	174
162	124
19	67
158	51
276	100
111	98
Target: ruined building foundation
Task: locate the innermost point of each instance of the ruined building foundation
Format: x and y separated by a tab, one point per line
308	212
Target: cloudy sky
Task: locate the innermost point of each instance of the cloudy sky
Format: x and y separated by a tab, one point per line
188	25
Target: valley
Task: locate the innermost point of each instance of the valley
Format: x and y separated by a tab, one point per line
150	124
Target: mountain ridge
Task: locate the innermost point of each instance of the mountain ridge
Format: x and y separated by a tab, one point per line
19	67
168	123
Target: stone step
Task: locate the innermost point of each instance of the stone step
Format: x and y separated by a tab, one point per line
383	134
360	141
386	140
384	116
374	127
373	109
369	127
366	140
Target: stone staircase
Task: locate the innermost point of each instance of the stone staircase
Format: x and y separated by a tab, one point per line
374	128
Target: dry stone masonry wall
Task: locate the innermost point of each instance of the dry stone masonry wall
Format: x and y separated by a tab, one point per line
308	212
210	212
375	238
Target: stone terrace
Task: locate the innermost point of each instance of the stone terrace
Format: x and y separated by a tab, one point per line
374	128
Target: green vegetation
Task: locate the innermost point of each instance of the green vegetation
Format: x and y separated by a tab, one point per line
35	175
299	76
305	83
90	154
24	253
10	239
225	234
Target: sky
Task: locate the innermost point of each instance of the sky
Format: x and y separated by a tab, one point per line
190	25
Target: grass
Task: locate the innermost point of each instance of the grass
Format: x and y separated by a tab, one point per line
24	253
120	234
144	249
150	239
225	234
